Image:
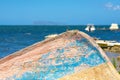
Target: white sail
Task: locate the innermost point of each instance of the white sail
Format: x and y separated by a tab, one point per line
87	28
92	28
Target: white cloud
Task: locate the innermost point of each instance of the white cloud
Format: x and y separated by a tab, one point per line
112	6
109	5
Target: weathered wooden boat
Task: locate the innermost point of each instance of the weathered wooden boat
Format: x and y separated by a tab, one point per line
72	55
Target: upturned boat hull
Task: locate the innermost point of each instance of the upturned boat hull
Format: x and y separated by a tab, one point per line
72	55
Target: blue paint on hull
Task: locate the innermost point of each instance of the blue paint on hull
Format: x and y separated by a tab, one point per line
87	56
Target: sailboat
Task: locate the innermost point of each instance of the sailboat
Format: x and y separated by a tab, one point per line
90	28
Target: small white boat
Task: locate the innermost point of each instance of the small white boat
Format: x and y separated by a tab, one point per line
90	28
114	26
51	36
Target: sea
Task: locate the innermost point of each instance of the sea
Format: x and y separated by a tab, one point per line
16	37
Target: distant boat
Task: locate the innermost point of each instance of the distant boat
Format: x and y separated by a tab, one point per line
51	36
90	28
114	26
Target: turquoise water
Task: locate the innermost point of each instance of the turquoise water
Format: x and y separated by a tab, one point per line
14	38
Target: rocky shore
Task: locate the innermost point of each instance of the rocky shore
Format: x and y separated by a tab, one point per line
114	59
114	49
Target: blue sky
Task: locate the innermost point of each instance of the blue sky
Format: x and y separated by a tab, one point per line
29	12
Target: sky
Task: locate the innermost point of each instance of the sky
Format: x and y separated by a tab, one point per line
59	12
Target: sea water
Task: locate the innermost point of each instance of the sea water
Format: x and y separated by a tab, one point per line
16	37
